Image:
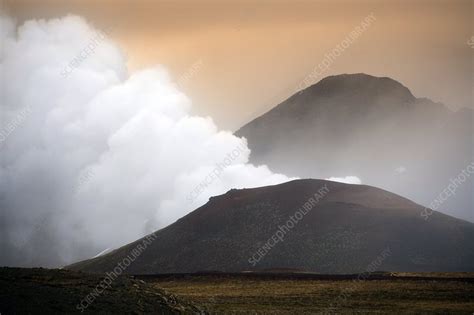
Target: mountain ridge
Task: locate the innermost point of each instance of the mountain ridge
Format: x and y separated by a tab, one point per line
333	237
367	126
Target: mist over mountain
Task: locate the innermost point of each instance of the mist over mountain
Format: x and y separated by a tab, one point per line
340	228
373	128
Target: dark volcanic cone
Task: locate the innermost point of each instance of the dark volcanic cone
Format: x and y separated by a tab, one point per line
345	231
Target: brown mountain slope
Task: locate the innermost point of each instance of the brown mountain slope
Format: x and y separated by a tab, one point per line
349	228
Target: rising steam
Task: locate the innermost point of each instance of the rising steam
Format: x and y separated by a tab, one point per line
92	157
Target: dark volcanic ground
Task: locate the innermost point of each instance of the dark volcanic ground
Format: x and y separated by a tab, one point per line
53	291
46	291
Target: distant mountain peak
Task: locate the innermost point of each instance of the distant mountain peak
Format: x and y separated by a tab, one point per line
367	126
359	83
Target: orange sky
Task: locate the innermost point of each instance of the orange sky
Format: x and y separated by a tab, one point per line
252	54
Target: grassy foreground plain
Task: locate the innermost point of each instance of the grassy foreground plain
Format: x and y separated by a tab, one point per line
447	293
53	291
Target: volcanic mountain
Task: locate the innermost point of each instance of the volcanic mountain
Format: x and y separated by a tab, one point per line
308	225
373	128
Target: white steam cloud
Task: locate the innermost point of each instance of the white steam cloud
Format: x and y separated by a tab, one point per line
100	158
92	157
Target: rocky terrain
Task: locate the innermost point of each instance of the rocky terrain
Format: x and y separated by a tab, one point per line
53	291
